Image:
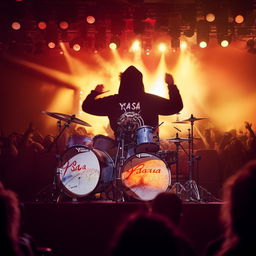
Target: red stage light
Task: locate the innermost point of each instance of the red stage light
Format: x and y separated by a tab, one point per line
42	25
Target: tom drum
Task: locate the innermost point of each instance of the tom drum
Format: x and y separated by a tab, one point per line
146	139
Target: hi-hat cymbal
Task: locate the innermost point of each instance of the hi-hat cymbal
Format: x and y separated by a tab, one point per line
178	139
66	118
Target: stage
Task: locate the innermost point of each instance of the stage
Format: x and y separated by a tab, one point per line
87	228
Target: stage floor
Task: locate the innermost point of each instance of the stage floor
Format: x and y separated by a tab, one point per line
87	228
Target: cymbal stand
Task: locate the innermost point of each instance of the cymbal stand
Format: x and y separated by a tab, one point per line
177	187
55	192
190	185
119	161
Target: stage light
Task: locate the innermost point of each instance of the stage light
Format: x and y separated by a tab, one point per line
202	33
136	46
183	45
76	44
224	43
147	51
239	19
114	43
42	25
76	47
224	40
112	46
210	17
63	25
51	45
203	44
16	25
90	19
162	47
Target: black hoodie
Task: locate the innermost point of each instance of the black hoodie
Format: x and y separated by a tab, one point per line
132	98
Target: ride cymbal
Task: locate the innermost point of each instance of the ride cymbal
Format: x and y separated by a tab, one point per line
66	118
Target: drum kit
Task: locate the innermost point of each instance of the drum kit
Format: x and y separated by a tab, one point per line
137	171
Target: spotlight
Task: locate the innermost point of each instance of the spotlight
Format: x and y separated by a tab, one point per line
16	25
203	44
210	17
239	19
114	43
147	51
136	46
51	44
112	46
63	25
42	25
183	45
224	40
76	44
224	43
202	33
90	19
162	47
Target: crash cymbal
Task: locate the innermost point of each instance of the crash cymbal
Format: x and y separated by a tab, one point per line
193	119
66	118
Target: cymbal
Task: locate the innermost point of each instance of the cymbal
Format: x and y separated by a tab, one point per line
66	118
193	119
178	139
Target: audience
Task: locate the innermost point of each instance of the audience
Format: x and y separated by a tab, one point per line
169	205
149	234
12	242
238	215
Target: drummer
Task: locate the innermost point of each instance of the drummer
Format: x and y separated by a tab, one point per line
132	107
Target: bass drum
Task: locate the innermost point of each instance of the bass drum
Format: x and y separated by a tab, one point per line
83	171
144	176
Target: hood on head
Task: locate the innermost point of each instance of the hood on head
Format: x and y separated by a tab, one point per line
131	82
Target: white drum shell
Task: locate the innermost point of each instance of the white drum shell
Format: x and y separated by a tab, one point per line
84	171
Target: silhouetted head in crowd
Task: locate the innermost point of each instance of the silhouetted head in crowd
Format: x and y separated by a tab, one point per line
9	223
145	234
239	210
169	205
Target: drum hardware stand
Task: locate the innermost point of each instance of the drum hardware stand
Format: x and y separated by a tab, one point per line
190	185
55	191
177	187
119	161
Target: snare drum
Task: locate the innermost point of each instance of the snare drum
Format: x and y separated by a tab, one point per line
79	140
146	139
144	176
85	171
